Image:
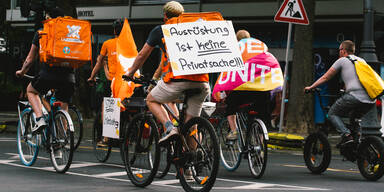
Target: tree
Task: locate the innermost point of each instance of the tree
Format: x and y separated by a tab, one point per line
300	108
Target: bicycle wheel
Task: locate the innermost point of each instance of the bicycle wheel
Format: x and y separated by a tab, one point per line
101	145
371	158
77	121
200	157
27	145
141	150
257	148
317	153
62	145
230	151
165	161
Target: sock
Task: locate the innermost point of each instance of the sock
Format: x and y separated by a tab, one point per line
169	126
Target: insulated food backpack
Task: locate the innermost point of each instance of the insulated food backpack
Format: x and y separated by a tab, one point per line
371	81
65	42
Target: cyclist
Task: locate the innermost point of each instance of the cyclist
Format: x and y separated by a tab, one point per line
237	98
108	49
170	87
355	102
60	78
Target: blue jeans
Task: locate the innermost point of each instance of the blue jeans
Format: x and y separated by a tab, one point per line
347	106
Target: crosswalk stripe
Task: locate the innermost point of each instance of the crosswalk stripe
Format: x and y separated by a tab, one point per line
113	174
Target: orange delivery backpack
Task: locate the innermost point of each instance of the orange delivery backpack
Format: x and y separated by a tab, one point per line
66	42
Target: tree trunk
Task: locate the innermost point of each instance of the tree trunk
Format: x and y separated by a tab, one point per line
300	109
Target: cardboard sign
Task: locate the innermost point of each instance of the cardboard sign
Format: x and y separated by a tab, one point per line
111	117
202	47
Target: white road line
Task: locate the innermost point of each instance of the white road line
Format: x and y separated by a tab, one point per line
7	140
113	174
170	183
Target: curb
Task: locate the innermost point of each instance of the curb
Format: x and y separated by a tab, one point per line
285	141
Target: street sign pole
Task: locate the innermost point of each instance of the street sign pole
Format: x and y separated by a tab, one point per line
285	78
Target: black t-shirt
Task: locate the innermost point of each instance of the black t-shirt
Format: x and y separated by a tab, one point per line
65	74
155	38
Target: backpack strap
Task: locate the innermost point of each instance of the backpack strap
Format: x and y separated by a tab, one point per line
350	58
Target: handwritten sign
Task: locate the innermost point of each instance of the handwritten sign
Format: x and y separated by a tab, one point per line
202	47
111	117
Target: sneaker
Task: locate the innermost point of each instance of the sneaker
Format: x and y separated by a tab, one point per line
168	135
188	175
232	135
40	125
58	154
345	140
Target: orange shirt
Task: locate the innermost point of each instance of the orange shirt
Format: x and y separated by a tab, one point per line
109	49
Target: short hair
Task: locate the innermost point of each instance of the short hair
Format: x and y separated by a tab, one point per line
56	12
348	46
242	34
173	9
117	26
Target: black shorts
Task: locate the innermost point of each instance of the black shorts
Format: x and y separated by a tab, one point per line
64	90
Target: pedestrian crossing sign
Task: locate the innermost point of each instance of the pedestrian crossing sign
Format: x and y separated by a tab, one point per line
292	11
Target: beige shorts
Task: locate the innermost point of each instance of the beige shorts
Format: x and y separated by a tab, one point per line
168	92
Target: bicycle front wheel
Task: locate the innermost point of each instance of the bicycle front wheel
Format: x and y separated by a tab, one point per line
371	158
62	145
77	121
101	145
257	148
230	151
317	153
27	145
141	150
199	155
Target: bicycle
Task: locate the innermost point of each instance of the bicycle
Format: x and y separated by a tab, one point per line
200	156
57	139
367	151
102	146
75	115
252	146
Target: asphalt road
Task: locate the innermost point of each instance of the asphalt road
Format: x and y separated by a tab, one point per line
285	172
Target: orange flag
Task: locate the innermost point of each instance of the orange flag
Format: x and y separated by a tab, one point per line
126	53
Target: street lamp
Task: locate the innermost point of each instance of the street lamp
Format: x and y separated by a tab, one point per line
370	124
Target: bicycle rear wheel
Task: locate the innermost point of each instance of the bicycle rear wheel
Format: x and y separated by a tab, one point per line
62	145
141	150
101	145
230	151
317	153
27	145
257	148
200	157
165	161
77	121
371	158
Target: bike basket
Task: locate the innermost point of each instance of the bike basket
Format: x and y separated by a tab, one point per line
134	102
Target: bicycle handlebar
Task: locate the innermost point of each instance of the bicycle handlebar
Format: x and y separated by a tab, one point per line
141	80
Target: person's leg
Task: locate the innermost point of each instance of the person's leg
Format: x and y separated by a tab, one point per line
34	100
343	107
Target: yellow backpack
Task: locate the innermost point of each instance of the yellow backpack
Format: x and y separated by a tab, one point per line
371	81
66	42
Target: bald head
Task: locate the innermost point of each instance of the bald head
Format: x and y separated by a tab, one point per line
242	34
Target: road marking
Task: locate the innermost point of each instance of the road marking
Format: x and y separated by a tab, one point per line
328	169
7	139
244	185
113	174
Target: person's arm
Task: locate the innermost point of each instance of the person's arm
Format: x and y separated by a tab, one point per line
98	66
32	55
157	74
140	59
106	71
326	77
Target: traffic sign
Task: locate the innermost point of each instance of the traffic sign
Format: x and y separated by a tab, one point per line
292	11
